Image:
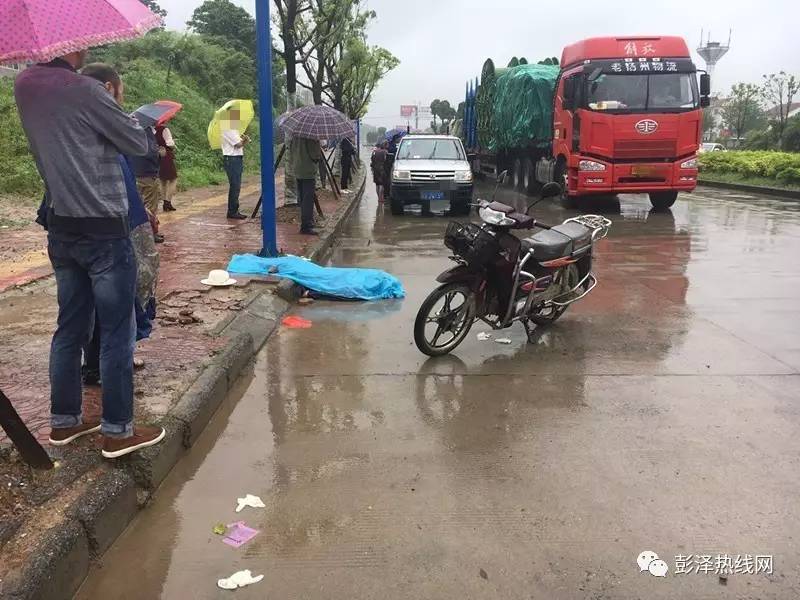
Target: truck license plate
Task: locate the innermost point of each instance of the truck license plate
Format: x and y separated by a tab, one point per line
643	171
432	195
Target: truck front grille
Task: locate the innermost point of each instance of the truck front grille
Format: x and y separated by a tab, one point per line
631	149
433	175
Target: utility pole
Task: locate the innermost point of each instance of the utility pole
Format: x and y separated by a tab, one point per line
269	233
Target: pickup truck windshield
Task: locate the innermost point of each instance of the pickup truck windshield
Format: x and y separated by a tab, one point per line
642	93
430	149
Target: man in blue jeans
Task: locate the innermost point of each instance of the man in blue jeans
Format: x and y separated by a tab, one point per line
76	131
233	144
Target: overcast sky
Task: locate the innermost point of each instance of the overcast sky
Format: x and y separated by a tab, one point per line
442	43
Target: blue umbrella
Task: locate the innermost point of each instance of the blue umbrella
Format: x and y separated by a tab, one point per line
393	133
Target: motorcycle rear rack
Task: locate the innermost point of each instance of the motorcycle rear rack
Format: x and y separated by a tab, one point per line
597	223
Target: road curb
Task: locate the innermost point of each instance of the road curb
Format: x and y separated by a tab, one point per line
63	557
755	189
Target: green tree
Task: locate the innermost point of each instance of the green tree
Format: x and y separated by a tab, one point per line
225	20
294	36
372	137
155	8
742	110
381	133
353	72
435	111
791	136
778	91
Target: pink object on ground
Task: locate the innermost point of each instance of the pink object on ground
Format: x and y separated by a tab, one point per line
296	323
239	534
41	30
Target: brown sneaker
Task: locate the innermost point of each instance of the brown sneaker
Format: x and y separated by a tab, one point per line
64	435
142	438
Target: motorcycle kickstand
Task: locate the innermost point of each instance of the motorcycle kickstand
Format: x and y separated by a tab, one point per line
529	330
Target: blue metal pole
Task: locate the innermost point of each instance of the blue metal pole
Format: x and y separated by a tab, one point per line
269	231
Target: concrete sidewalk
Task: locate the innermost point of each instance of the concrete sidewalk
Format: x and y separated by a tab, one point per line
198	238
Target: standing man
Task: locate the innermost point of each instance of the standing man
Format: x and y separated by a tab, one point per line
233	144
146	169
76	133
305	154
348	152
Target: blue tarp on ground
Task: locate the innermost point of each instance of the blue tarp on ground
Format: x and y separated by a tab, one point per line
355	284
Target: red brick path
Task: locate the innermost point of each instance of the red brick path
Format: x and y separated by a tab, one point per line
198	238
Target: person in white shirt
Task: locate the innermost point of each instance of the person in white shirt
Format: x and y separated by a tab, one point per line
233	144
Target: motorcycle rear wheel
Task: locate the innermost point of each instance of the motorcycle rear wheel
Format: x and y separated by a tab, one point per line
439	316
569	278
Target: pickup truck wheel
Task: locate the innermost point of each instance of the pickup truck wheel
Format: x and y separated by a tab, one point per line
663	200
396	206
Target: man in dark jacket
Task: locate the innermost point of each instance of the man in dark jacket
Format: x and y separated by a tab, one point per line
76	131
348	152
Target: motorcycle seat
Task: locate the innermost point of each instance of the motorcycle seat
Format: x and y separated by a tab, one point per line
557	242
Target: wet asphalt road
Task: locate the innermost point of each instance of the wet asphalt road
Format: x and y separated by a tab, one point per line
661	413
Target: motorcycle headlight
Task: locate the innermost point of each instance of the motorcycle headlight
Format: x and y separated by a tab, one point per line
464	176
689	164
494	217
401	175
591	165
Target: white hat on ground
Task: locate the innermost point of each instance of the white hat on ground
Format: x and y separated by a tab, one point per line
218	278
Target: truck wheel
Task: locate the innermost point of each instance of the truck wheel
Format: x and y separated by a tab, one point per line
519	176
562	179
532	186
396	206
663	200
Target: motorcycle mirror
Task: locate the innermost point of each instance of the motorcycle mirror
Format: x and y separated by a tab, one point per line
551	190
502	177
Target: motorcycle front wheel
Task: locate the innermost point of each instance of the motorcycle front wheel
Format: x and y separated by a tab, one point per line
444	319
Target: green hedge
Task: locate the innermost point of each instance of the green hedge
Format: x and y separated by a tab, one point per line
783	167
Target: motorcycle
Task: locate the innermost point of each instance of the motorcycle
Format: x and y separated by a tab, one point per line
500	278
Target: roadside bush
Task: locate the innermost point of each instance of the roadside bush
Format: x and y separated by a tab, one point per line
783	167
16	163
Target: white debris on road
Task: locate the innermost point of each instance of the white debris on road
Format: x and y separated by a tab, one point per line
239	579
251	501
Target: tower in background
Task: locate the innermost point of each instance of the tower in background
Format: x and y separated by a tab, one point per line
712	52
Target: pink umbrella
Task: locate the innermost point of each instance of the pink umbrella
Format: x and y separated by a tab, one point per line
40	30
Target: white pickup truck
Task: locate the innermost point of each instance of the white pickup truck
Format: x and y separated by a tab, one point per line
428	168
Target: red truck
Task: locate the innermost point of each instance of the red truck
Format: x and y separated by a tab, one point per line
623	115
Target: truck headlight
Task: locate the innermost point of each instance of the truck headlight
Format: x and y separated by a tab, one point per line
464	176
591	165
689	164
402	175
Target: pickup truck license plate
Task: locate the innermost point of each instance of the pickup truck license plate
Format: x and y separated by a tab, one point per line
432	195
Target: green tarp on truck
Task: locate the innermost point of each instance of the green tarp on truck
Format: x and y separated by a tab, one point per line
522	107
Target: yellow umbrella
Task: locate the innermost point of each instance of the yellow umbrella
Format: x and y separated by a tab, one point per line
221	121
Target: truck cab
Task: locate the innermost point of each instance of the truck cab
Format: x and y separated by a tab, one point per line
627	119
428	168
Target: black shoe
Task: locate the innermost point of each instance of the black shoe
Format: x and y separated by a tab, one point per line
168	207
90	376
237	216
308	232
158	238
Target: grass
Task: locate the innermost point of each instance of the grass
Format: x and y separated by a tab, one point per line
745	180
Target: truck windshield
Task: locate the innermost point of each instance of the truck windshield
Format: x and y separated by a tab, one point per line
430	149
636	93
